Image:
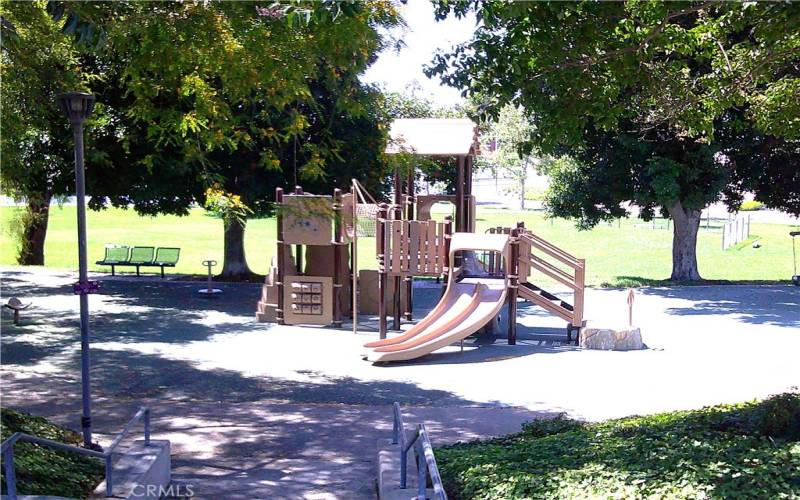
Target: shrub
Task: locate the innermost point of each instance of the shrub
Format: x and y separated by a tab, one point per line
751	206
45	471
749	450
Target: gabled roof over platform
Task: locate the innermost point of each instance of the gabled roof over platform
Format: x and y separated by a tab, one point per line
434	137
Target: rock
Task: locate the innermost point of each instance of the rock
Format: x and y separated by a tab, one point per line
611	340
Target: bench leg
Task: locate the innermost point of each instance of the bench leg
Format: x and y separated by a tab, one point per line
137	271
112	270
162	272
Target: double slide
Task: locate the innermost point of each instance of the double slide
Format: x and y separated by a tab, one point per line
466	306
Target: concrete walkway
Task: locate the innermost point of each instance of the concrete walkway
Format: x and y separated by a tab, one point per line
258	411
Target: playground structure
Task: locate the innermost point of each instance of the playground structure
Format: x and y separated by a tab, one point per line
316	259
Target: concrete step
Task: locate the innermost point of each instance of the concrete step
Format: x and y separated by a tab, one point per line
389	473
141	472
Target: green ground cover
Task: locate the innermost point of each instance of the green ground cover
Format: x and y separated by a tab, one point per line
748	450
44	471
631	252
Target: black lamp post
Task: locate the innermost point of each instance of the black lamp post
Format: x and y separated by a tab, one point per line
77	106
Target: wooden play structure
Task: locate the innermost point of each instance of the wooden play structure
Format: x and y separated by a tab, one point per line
317	256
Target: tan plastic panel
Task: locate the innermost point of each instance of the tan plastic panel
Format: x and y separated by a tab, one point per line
307	219
308	300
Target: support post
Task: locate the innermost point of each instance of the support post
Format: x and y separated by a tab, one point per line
448	234
109	475
513	283
11	476
577	301
337	258
298	249
354	258
381	244
422	468
397	214
410	200
397	302
280	252
460	194
469	223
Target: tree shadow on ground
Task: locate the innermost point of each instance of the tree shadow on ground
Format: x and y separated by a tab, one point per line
236	299
772	305
255	437
640	281
125	313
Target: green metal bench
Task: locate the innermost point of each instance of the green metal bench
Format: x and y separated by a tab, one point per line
116	255
165	257
140	257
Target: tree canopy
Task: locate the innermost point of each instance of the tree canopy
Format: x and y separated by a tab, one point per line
662	103
38	62
225	94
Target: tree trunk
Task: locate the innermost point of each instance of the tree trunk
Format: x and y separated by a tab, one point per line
684	243
522	192
34	231
235	263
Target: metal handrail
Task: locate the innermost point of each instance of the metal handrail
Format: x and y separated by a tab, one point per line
7	450
426	462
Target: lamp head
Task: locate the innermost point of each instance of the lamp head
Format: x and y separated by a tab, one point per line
76	106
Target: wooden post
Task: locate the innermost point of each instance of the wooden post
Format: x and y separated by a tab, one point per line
337	258
513	283
410	199
381	244
469	223
298	249
448	234
460	195
280	250
398	213
577	297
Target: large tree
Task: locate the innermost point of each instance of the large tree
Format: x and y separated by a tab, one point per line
36	163
642	94
242	99
193	95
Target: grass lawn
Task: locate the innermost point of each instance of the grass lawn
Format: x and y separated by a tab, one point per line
44	471
749	450
629	253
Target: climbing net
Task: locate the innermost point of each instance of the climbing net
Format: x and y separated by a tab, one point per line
366	212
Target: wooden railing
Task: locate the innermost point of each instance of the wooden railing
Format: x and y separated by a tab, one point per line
571	272
574	277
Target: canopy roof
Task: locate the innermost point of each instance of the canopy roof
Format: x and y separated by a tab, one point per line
434	137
